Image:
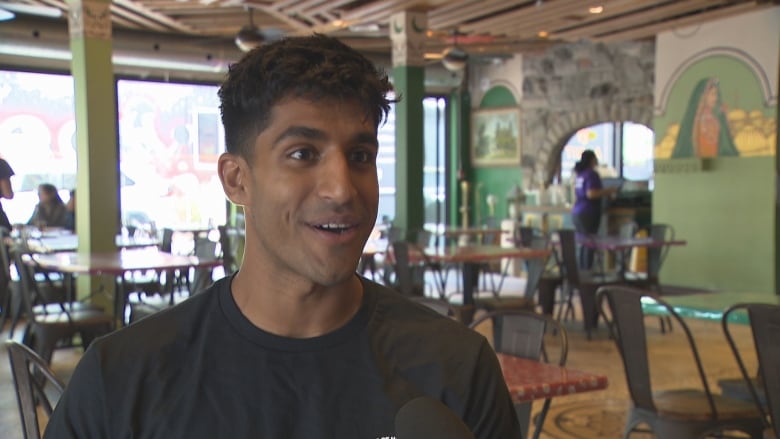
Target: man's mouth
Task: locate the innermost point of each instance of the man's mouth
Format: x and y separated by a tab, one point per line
336	228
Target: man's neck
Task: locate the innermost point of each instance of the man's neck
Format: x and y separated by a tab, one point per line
296	309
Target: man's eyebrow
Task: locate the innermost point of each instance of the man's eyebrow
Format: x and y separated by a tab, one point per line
316	134
300	131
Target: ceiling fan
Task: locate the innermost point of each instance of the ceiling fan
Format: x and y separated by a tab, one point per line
251	36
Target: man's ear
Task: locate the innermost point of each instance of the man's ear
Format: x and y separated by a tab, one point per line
235	177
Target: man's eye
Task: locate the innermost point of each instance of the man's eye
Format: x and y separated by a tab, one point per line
363	156
302	154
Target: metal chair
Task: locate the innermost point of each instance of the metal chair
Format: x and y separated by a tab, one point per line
528	335
673	413
585	282
762	388
36	386
49	324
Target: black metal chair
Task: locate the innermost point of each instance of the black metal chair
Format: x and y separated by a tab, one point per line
763	387
50	324
585	282
36	385
672	413
528	335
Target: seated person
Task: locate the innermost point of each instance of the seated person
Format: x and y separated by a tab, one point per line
70	214
50	210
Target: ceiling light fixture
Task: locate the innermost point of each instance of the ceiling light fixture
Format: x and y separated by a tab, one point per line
596	9
454	58
249	37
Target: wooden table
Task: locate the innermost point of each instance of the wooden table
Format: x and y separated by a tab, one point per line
622	244
117	264
471	256
64	242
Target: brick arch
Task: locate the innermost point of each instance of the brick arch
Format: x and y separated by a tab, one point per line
567	123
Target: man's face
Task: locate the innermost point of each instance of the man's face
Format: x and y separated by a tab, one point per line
312	192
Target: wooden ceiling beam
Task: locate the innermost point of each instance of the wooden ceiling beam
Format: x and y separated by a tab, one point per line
637	18
468	12
526	14
149	16
653	29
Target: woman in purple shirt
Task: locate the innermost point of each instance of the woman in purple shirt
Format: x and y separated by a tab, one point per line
588	192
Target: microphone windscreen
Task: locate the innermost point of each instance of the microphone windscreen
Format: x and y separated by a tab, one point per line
427	418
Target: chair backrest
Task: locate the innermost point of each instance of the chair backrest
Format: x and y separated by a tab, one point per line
625	319
748	379
229	238
523	334
408	281
35	384
423	238
765	323
657	255
526	234
166	243
535	266
567	239
205	250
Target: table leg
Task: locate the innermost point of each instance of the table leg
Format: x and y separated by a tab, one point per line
470	273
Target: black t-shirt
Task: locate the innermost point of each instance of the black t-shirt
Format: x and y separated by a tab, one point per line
202	370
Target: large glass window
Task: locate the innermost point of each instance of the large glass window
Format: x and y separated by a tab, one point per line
169	139
434	166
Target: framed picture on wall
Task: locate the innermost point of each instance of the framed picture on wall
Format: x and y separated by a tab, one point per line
495	137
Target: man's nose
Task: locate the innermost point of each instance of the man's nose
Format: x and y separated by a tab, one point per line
335	179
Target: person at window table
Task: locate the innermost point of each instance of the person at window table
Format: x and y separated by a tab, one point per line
50	210
295	344
6	190
70	212
588	192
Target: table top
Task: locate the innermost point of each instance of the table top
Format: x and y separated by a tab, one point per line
120	261
70	242
711	305
620	243
529	379
479	253
458	231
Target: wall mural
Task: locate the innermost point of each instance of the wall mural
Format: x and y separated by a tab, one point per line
716	108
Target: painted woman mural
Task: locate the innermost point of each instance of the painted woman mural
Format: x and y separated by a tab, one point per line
704	129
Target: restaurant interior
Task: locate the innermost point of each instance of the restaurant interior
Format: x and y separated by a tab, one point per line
476	185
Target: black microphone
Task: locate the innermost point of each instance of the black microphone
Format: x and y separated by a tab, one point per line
427	418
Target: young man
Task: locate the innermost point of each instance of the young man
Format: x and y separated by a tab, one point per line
296	344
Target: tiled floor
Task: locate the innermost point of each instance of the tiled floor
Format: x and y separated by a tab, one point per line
588	415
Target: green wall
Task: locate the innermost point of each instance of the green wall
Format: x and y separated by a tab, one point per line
726	213
494	180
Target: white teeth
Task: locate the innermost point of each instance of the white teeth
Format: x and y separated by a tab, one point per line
334	226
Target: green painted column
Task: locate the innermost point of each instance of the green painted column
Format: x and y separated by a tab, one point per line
459	118
408	30
409	202
97	187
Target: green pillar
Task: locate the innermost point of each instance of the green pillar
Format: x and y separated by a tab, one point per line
409	202
408	32
460	121
97	187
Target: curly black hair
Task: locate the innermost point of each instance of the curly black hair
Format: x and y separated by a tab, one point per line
314	67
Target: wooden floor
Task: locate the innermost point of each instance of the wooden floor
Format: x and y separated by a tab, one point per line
598	414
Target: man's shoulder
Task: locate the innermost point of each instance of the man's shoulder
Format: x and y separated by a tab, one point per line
164	327
405	318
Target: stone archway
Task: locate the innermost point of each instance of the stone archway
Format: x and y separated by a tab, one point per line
566	124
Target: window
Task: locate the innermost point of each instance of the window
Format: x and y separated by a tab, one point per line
623	149
169	139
